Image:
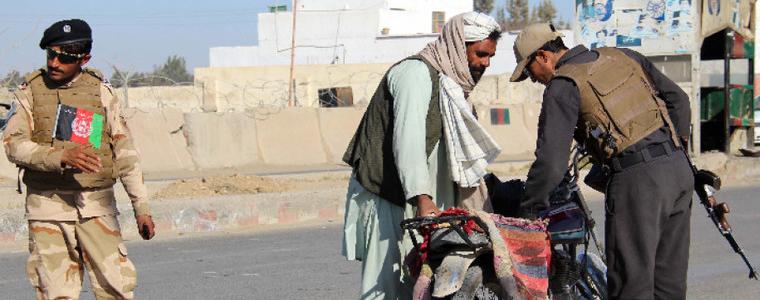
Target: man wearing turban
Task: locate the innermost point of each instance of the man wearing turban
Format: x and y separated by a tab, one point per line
418	150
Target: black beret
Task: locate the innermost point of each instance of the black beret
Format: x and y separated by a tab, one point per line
66	32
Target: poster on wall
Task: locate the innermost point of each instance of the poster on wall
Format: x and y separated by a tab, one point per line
720	14
650	26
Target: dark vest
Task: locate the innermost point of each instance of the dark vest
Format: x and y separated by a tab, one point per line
370	151
619	106
84	93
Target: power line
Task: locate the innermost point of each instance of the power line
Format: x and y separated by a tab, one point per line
176	24
179	14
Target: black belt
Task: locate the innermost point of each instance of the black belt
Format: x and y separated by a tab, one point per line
643	155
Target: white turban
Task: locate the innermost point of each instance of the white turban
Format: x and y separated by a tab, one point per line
478	26
448	54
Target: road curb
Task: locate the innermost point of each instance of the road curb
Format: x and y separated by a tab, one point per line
230	212
212	214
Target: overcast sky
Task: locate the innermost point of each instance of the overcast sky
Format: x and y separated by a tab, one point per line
136	35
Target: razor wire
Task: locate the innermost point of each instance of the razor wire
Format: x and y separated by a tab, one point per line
256	98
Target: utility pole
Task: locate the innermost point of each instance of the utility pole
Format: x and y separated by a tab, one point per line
292	54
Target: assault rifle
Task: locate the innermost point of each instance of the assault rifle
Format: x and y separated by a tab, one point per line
706	183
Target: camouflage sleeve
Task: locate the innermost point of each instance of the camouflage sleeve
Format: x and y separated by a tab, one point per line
126	158
19	147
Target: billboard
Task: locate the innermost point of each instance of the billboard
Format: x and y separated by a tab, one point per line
650	27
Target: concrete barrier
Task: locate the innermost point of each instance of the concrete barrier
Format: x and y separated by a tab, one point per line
290	137
170	141
159	138
222	140
518	137
338	126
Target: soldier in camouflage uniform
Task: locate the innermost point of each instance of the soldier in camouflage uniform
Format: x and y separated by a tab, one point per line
70	202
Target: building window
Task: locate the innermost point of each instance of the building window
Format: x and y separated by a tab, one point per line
336	97
277	8
439	18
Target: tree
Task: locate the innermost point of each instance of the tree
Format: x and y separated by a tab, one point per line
519	14
12	79
173	71
501	18
483	6
545	12
534	16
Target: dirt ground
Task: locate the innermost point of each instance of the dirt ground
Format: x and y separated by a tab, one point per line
247	184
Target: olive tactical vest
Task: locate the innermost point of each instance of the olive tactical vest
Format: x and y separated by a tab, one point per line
618	105
84	93
370	151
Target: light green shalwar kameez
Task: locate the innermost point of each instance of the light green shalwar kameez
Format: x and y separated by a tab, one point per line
371	232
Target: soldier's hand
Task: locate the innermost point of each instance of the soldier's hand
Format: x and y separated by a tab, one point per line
82	158
146	227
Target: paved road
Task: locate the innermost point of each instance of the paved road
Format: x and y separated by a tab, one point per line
305	263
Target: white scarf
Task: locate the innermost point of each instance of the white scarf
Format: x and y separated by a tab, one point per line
470	148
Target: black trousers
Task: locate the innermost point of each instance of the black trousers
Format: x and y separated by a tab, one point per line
648	207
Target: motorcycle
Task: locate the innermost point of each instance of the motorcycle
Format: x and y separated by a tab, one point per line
455	256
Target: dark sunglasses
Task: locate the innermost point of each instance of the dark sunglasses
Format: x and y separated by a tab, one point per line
526	71
63	57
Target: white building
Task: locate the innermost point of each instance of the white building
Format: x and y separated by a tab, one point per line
353	32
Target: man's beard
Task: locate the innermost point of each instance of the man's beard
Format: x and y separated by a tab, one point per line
477	73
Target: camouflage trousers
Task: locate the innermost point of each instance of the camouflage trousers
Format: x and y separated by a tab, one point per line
61	250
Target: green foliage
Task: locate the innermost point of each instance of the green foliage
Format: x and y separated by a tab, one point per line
12	79
172	72
519	14
501	17
483	6
545	12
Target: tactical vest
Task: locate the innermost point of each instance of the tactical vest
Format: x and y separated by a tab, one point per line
84	93
370	151
618	106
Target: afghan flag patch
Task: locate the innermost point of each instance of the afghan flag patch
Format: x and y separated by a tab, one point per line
78	125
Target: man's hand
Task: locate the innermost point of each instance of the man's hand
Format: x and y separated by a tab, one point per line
426	207
82	158
145	227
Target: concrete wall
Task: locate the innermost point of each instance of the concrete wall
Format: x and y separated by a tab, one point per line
172	142
337	126
518	138
238	89
291	137
243	88
311	136
159	138
222	140
183	98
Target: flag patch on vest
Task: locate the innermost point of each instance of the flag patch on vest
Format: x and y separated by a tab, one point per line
500	116
78	125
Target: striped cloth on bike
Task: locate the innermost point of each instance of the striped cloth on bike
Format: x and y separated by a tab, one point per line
522	253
